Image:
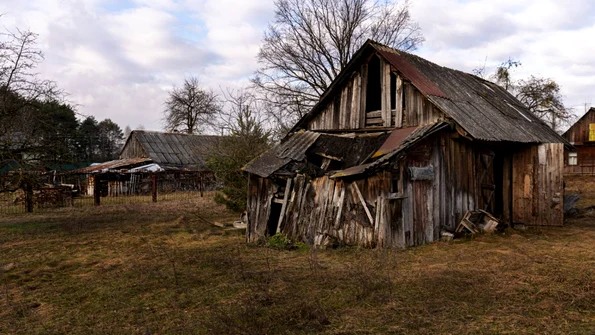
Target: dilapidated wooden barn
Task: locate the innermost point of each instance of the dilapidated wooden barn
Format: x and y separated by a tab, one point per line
397	150
180	160
580	159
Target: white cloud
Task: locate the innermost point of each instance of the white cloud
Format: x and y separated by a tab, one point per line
551	39
117	58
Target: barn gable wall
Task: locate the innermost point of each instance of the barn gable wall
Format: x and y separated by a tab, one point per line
133	149
400	103
578	134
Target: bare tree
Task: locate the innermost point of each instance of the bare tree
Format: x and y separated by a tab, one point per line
542	96
245	138
190	108
311	41
21	92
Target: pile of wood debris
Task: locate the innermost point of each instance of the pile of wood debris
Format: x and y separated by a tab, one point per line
474	222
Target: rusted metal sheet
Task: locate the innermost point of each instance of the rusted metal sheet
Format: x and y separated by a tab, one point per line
416	135
352	171
413	74
393	142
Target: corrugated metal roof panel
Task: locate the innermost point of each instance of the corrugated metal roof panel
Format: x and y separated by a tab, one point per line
485	110
294	148
177	149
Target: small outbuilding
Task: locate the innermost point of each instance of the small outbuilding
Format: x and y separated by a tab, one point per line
179	160
580	159
398	150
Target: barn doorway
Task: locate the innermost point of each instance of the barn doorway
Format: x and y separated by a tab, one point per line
273	221
491	174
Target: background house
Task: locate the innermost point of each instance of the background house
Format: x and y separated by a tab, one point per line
438	143
581	158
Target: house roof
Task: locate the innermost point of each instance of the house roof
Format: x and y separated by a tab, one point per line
483	109
591	110
175	150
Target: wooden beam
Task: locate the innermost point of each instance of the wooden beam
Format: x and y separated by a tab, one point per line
399	103
361	198
340	211
386	113
284	206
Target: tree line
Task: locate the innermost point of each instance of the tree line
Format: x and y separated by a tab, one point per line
38	128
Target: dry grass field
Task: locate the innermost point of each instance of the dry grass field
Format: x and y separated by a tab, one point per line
164	269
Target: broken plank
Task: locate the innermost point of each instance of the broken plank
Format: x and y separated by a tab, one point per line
361	198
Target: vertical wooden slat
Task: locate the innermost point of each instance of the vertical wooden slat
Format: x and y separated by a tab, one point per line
356	109
399	103
385	103
364	87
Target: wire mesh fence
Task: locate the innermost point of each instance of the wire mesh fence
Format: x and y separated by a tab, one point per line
107	189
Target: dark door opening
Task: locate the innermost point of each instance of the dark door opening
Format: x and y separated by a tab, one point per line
499	184
273	221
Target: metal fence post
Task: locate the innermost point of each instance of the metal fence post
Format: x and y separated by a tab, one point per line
201	184
29	197
154	186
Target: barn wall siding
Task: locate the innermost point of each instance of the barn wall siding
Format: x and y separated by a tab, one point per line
133	149
538	185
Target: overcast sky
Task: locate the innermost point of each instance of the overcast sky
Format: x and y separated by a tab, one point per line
117	59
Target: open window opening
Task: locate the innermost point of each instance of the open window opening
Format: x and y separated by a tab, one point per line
393	91
374	89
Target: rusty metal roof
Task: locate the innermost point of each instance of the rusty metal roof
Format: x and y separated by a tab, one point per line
118	164
393	142
410	72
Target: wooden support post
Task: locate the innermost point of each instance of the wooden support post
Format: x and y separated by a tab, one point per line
340	211
96	190
201	185
154	186
28	197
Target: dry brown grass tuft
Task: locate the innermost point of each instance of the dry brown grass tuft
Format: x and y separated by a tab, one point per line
162	268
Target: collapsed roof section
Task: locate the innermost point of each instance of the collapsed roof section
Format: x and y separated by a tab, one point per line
338	155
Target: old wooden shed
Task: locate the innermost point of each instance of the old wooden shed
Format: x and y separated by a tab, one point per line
580	159
178	159
397	150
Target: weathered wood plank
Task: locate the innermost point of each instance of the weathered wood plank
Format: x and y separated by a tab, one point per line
284	205
386	115
361	199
